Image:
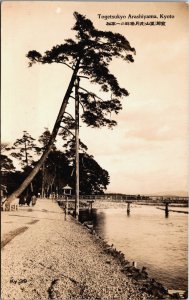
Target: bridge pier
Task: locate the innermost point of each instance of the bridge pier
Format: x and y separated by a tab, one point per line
128	207
90	205
166	209
167	202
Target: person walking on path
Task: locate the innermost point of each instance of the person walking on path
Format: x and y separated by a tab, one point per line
28	199
22	200
33	200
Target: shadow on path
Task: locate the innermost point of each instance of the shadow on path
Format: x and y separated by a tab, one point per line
11	235
31	217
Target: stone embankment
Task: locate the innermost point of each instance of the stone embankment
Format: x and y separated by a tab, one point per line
45	257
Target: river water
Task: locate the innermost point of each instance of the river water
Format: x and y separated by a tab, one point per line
147	237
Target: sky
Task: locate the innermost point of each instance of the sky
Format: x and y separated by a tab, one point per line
147	152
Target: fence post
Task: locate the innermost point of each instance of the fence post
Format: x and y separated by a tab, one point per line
66	209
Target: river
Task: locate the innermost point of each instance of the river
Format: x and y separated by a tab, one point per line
147	237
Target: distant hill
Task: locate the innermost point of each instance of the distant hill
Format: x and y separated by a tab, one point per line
167	194
173	194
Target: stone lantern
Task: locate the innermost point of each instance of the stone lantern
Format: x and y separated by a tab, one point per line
67	190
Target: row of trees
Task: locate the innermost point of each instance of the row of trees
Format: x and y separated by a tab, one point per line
58	169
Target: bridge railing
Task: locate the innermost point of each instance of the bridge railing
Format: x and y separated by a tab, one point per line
123	198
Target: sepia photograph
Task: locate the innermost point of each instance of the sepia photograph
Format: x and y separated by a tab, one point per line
94	150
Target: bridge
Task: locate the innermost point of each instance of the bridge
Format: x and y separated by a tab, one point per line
139	199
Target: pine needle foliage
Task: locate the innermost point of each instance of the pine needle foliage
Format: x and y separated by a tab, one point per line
94	49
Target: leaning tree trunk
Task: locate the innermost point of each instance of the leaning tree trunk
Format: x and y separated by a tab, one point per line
56	127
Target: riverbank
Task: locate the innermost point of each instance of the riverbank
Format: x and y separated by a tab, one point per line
45	256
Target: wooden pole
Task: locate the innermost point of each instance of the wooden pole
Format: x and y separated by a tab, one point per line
77	148
27	164
66	209
42	184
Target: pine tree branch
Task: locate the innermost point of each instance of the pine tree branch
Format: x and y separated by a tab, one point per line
69	113
67	130
59	62
81	76
90	93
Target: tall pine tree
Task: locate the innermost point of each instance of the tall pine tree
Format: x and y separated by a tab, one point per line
89	54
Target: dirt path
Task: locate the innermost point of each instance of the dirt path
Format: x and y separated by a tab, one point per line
46	257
